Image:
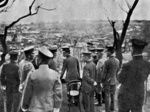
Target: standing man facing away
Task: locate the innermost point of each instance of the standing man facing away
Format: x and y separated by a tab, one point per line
10	79
109	80
70	65
88	83
132	77
99	69
43	89
26	65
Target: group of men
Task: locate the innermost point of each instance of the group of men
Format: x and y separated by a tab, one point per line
30	85
38	84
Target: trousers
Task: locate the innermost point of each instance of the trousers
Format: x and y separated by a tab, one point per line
109	97
12	102
88	101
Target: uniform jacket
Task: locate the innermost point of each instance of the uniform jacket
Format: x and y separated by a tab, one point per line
99	68
24	68
89	76
71	65
10	76
43	90
111	67
132	77
52	65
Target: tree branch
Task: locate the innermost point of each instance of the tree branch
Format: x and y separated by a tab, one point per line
122	9
127	21
8	7
105	11
47	9
29	14
123	22
116	34
4	3
129	6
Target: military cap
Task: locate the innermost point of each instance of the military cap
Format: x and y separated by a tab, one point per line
28	49
89	43
99	49
110	48
138	42
53	49
13	52
92	49
65	48
86	53
44	50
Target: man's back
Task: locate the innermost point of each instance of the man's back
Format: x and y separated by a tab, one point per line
10	75
24	68
46	92
89	76
111	67
71	64
133	75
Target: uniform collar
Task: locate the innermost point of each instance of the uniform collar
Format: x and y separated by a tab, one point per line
112	55
43	66
137	56
14	61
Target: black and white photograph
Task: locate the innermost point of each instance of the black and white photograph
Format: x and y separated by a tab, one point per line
74	55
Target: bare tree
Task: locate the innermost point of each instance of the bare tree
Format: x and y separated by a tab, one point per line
3	3
4	36
119	39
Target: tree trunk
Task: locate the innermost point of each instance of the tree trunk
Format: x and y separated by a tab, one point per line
119	51
4	46
119	55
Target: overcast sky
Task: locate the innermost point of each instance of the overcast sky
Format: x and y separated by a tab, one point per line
67	10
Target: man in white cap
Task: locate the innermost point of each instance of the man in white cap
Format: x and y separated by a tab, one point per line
25	66
43	89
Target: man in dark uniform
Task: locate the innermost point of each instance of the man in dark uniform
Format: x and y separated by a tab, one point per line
88	83
132	77
110	70
52	63
10	79
70	65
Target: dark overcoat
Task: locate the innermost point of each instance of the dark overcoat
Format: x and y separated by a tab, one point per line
132	77
111	67
71	66
89	76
